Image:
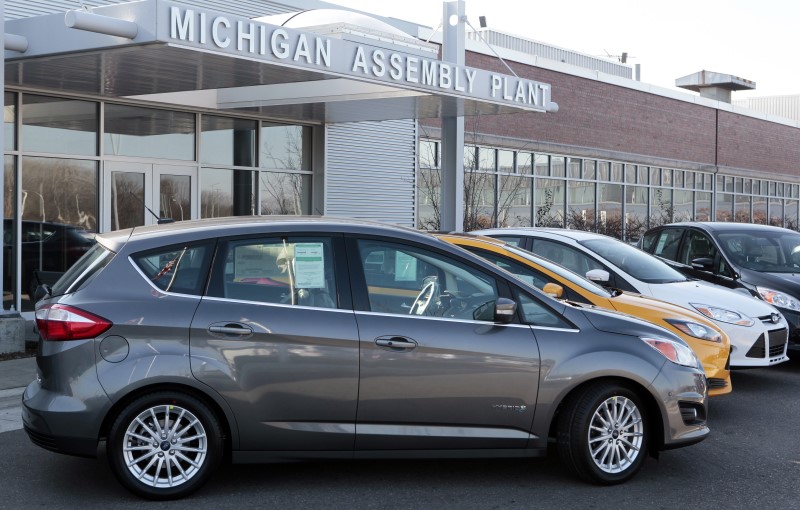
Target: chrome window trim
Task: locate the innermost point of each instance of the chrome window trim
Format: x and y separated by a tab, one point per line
160	291
446	319
280	305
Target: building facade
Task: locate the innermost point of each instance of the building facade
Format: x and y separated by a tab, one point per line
214	109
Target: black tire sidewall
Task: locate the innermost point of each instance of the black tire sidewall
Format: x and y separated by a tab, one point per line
574	431
116	438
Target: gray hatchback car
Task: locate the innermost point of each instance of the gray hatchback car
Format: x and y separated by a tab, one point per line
286	339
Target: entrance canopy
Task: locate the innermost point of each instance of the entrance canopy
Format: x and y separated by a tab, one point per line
177	54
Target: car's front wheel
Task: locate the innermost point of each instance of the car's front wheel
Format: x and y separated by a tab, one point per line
164	445
603	434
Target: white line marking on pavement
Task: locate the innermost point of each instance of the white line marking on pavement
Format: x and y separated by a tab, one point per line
10	409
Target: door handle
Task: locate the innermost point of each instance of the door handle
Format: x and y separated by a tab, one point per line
231	329
395	343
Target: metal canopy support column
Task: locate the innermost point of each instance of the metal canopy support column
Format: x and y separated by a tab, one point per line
452	187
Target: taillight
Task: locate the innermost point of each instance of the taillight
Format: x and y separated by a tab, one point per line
63	322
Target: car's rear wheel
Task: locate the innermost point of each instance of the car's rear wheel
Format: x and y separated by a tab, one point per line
164	445
603	434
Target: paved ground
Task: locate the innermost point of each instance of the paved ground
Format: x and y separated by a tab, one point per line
14	376
751	460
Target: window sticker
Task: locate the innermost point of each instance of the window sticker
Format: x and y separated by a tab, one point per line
405	267
309	266
251	262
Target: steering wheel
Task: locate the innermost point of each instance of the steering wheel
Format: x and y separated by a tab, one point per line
424	298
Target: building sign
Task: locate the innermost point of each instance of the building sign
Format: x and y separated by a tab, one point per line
246	38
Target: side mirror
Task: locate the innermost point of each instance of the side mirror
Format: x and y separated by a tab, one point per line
704	263
598	275
553	290
504	310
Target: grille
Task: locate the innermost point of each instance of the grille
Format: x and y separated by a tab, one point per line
715	383
777	342
757	350
43	440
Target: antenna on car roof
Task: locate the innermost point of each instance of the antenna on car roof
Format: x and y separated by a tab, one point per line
159	220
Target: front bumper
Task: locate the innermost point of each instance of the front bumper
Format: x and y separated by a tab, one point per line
761	345
683	394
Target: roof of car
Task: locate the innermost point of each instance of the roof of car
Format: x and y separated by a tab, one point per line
245	224
719	226
578	235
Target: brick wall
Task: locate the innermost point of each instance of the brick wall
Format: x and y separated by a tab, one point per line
600	116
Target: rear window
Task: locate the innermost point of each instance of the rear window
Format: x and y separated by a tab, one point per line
91	263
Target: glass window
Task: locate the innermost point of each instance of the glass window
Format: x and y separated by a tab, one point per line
747	186
682	205
666	177
776	252
175	200
225	192
776	212
524	163
406	280
55	125
662	209
182	269
10	121
617	172
487	159
428	154
514	206
505	161
633	261
479	202
737	185
429	187
535	313
677	178
655	176
285	193
9	234
630	174
724	207
148	133
541	165
635	212
227	141
791	214
574	169
569	257
285	147
643	175
581	203
603	171
689	176
589	170
470	157
741	211
549	202
702	206
127	200
696	246
524	272
609	210
59	217
557	166
292	271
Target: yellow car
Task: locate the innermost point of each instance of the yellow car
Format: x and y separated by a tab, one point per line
711	345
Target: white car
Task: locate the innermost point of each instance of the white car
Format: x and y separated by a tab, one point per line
758	331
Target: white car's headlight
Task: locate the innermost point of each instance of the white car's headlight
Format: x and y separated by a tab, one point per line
723	315
673	351
695	329
779	299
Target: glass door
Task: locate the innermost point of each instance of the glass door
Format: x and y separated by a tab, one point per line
137	194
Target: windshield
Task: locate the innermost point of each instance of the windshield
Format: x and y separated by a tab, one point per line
774	252
562	272
634	261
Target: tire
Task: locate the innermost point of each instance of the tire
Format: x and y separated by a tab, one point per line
170	463
603	434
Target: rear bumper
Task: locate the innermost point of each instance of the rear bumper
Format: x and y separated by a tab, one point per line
77	424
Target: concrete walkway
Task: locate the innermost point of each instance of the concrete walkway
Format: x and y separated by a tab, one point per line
15	374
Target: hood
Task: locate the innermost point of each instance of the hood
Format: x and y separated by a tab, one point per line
633	303
623	324
783	282
685	293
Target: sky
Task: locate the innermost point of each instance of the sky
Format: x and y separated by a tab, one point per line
754	40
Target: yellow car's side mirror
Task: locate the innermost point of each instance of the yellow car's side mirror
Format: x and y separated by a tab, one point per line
553	289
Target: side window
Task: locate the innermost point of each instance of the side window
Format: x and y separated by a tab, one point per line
667	243
181	269
515	240
649	241
536	313
290	270
567	256
696	246
413	281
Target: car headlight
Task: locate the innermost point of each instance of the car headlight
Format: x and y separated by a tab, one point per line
673	351
779	299
696	330
723	315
